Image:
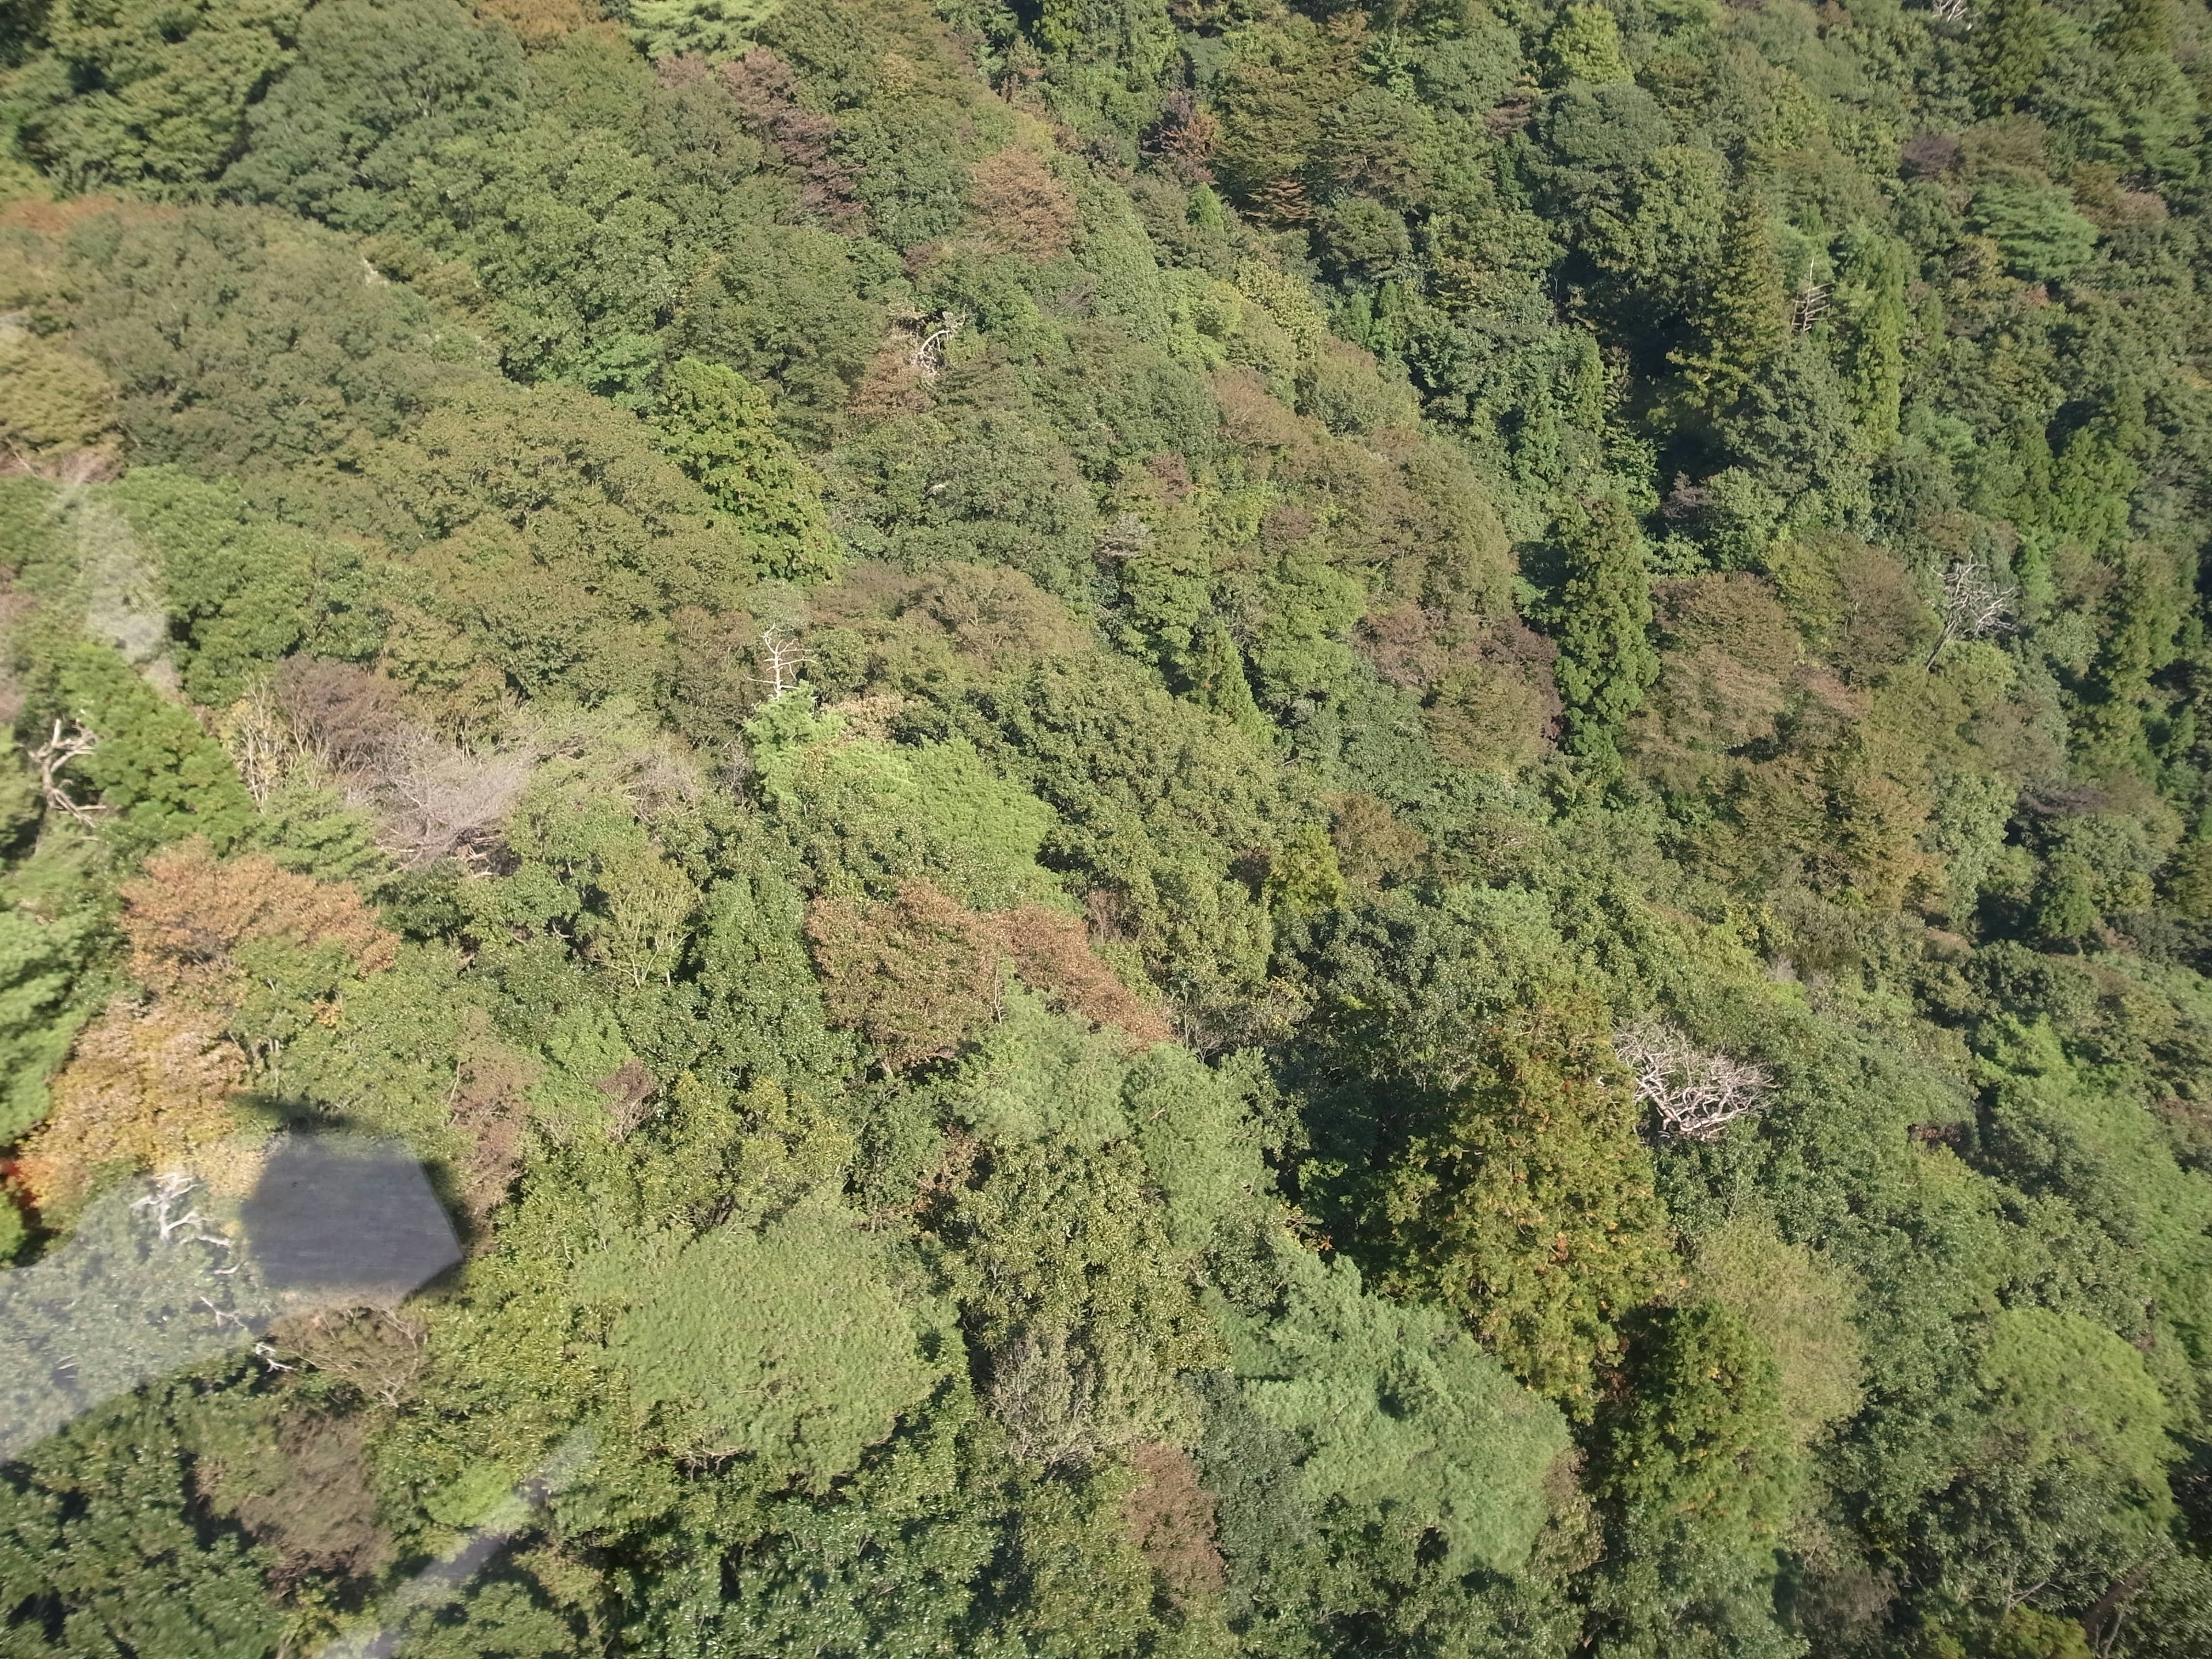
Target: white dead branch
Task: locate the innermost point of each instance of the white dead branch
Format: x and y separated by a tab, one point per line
1696	1092
442	801
56	752
1974	605
783	655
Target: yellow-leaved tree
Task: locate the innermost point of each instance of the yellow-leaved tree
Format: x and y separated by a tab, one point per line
234	958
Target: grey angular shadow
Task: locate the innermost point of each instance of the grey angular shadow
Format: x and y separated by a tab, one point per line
332	1218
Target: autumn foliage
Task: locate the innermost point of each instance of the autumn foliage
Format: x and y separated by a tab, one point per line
1022	206
145	1083
920	975
232	954
190	918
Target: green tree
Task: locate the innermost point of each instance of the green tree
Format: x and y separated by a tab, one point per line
1742	319
378	86
1083	1318
145	98
241	344
1871	297
1696	1474
550	545
154	766
789	1346
2062	1475
103	1541
712	29
1603	612
1585	46
1401	1419
721	431
1700	1439
242	591
1522	1198
2011	47
2033	221
1161	803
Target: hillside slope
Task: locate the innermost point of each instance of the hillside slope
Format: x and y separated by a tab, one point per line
1180	826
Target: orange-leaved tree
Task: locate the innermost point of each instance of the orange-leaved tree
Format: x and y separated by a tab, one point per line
236	958
920	975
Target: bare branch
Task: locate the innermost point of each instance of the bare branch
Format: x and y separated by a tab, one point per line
1696	1093
56	752
928	354
440	800
170	1187
1810	305
1974	605
264	743
784	656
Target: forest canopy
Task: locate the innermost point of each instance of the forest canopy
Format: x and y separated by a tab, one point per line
1176	827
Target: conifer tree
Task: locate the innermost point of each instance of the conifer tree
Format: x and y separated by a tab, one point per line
1873	370
721	431
1742	318
2012	47
1606	658
1524	1202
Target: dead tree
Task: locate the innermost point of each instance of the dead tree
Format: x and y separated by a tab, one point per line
1696	1093
56	752
783	656
1810	306
170	1188
1973	606
928	354
438	800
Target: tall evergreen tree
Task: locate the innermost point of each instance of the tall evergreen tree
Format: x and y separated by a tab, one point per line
2011	45
1741	320
1605	659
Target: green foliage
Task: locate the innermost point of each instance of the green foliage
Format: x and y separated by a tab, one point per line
1401	1421
1585	46
1801	1307
787	1346
2061	1388
240	343
712	29
155	767
900	1557
867	812
1742	316
2035	224
1525	1204
243	592
1702	1442
52	933
722	432
1028	686
979	486
143	98
1158	800
380	86
1483	1152
101	1549
2011	50
1082	1315
1199	1142
1697	1474
549	543
1039	1076
1605	660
